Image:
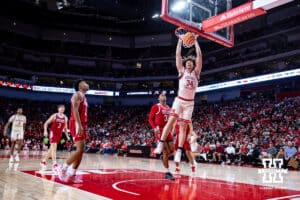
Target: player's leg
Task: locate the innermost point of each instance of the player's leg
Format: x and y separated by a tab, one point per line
167	152
186	117
49	153
12	148
43	163
53	155
77	156
20	143
177	168
191	160
166	131
176	109
181	140
71	163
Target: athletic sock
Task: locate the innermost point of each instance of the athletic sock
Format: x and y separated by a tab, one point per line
65	166
72	171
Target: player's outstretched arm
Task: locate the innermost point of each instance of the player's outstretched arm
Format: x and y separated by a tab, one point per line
198	58
46	124
6	127
66	128
24	125
76	100
178	57
151	118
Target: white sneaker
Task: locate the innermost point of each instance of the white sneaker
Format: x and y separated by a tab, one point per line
11	159
17	158
74	179
159	148
177	157
62	174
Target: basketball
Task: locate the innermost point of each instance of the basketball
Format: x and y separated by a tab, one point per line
188	39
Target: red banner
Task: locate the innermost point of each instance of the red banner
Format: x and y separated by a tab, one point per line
231	17
15	85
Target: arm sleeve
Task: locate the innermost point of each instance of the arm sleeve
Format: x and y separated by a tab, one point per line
151	118
12	118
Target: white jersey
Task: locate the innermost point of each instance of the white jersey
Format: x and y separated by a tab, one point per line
188	83
18	122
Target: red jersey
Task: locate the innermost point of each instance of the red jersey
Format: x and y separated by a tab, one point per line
158	116
58	124
83	110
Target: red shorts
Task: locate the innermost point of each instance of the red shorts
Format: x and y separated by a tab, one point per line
186	145
169	138
55	137
74	131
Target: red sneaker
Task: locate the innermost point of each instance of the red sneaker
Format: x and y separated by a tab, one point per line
193	169
177	170
55	168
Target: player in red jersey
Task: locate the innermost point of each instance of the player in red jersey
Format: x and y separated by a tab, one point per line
78	129
58	123
158	118
186	145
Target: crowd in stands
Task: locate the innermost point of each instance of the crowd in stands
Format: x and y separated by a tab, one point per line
246	131
239	132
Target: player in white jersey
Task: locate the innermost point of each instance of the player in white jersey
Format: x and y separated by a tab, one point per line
189	71
18	122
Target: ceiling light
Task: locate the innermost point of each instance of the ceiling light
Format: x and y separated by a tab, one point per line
156	15
179	6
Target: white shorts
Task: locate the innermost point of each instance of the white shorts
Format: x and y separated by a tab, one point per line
17	135
183	109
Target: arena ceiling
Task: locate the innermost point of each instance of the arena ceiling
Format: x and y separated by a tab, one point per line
114	16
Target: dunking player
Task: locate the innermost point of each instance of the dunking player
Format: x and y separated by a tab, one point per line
18	121
78	129
186	145
158	118
183	105
58	123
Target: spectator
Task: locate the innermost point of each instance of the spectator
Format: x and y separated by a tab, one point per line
230	152
219	153
271	151
289	152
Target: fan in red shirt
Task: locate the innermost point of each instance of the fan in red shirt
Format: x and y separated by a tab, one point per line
158	118
58	123
78	129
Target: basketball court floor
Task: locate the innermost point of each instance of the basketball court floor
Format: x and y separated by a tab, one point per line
113	177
